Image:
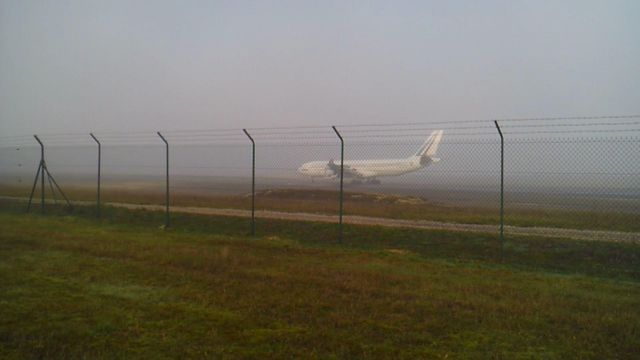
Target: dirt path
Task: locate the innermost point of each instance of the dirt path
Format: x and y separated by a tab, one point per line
592	235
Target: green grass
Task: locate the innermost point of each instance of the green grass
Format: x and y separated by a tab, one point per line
72	286
375	205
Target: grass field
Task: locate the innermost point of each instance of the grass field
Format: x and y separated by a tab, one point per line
73	286
367	204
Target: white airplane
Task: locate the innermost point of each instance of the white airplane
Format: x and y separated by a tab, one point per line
370	170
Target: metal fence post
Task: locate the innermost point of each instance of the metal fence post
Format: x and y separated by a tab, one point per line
341	180
253	183
33	188
501	190
42	165
167	220
40	172
99	169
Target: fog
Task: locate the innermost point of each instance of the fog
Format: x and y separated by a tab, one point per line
287	70
594	172
80	66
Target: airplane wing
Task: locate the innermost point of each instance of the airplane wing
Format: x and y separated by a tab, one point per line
349	171
358	173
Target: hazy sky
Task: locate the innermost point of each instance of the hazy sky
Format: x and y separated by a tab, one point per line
164	65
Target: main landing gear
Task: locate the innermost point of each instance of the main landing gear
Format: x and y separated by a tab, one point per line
365	182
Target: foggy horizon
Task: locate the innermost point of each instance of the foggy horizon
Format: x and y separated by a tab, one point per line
124	70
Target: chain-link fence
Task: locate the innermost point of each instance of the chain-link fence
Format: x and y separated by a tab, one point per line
575	177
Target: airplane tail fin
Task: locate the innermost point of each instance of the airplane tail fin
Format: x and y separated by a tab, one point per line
430	146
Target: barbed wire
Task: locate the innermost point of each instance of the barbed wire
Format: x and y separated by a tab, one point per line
358	142
150	141
348	127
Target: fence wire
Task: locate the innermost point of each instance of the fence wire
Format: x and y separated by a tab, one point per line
559	173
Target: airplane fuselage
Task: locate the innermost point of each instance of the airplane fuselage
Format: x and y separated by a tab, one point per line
371	169
365	169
